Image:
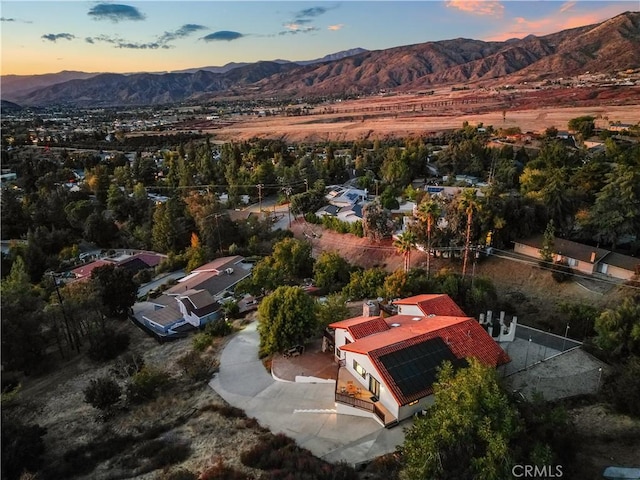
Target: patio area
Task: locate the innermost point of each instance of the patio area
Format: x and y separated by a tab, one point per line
312	362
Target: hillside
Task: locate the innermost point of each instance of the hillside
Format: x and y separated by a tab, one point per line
607	47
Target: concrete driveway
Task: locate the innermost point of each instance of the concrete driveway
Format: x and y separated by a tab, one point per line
302	411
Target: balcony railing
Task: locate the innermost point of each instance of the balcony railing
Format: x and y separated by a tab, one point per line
361	404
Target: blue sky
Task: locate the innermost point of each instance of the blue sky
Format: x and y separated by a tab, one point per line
121	36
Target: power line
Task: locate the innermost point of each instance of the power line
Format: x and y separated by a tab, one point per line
551	267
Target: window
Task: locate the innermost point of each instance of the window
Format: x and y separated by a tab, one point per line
358	368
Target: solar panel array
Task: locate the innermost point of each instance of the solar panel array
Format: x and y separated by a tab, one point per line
414	368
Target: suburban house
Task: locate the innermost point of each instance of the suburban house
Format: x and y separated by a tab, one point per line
583	258
130	260
345	197
388	364
349	214
196	299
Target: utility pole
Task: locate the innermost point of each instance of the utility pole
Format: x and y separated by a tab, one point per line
218	229
72	337
260	195
287	192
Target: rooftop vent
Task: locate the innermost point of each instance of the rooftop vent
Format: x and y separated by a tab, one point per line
431	315
395	324
415	319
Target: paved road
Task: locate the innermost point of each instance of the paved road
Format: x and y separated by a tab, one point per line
303	411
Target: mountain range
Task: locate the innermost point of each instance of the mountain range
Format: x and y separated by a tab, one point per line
607	47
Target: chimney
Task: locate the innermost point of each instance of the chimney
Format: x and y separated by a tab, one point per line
593	257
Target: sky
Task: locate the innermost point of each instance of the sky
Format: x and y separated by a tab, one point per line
156	36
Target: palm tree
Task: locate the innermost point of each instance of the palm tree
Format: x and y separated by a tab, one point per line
429	211
404	243
469	203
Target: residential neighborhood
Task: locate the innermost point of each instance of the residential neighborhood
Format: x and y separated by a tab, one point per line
414	259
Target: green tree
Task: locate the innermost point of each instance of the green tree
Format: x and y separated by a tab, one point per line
429	211
293	258
395	285
23	343
377	222
583	125
365	283
331	272
548	240
468	202
287	318
616	211
100	230
405	242
618	329
624	388
117	289
332	310
467	432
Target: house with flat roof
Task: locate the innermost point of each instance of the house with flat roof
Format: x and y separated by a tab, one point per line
388	364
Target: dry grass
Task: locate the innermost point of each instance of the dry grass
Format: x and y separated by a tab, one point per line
187	419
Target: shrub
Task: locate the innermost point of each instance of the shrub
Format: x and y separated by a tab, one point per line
201	341
196	367
127	366
107	344
162	453
22	448
102	393
561	272
219	328
146	384
624	389
220	471
231	310
225	410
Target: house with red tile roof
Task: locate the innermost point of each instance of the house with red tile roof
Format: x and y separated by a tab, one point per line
388	365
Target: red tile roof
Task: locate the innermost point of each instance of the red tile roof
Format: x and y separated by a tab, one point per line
364	329
84	272
464	336
407	328
466	339
349	322
439	304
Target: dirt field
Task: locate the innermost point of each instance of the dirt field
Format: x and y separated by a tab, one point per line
418	115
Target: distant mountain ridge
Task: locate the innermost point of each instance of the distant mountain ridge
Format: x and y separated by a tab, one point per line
230	66
612	45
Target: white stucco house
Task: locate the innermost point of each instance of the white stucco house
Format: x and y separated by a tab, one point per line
388	365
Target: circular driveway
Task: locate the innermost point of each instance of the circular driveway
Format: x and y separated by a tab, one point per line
302	411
